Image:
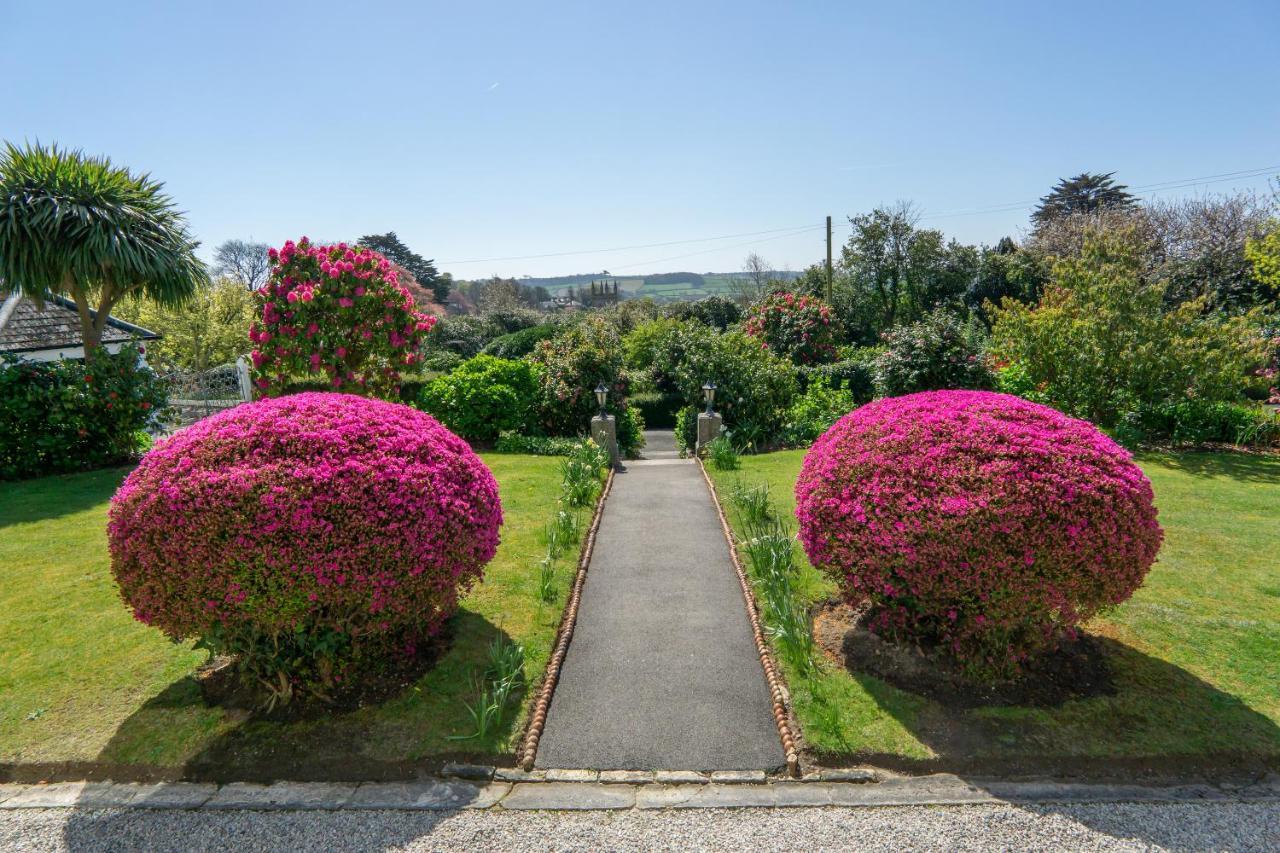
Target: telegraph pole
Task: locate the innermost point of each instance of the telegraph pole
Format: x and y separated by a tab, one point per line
828	260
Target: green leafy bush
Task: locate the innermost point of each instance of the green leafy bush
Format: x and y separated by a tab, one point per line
1200	422
814	411
1103	340
718	312
483	396
574	363
853	374
521	343
535	445
934	354
687	429
74	415
466	335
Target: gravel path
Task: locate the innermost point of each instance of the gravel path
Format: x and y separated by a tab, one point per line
662	671
1181	826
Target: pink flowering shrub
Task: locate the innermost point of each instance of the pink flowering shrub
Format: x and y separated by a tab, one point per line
336	313
801	328
988	525
313	536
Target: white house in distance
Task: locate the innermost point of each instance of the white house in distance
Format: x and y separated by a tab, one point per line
52	331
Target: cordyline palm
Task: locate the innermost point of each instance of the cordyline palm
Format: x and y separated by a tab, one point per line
80	226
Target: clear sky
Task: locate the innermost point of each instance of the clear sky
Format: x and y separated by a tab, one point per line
488	130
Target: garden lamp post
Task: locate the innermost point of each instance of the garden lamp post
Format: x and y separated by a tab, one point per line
604	427
602	394
709	423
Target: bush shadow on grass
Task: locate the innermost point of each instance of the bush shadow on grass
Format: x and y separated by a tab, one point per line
1244	466
1162	723
30	501
399	737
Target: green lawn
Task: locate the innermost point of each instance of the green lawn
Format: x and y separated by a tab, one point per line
82	682
1195	653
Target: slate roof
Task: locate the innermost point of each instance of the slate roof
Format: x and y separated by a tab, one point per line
26	326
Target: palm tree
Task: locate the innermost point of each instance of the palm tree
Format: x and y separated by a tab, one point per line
80	226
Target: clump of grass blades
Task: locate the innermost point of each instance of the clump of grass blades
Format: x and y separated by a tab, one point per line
723	456
547	579
494	687
754	507
771	555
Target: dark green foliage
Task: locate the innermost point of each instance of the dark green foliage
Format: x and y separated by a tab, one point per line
1005	271
521	343
937	352
536	445
687	429
814	411
466	335
691	278
513	319
419	267
1085	193
719	312
853	374
94	231
65	416
483	397
630	428
1200	422
657	409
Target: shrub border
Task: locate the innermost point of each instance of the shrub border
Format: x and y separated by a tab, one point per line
777	691
538	719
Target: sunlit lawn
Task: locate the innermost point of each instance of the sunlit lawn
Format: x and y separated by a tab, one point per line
81	681
1195	653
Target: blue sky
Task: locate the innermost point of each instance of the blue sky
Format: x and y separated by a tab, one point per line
489	130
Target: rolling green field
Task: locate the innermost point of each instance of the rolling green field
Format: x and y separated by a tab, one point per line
86	688
1193	654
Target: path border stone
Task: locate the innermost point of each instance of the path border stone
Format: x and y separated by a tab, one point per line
436	794
538	718
781	713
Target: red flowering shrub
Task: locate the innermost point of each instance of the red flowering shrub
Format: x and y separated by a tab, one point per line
801	328
312	536
984	523
337	312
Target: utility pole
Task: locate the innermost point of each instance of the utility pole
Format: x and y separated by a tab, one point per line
828	260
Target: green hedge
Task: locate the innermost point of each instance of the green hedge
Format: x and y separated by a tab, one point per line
657	409
69	415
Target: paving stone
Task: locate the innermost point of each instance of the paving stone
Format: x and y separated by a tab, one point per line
436	794
169	795
515	774
563	775
282	795
474	772
941	789
731	796
801	794
679	777
8	789
738	777
55	795
847	775
570	795
626	777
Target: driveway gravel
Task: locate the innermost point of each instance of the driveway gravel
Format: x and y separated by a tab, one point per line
1111	826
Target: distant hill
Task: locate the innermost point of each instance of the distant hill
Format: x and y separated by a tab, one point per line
661	287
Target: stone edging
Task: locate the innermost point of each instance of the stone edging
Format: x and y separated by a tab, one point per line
538	717
771	674
541	792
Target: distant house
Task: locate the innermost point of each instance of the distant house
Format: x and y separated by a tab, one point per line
52	331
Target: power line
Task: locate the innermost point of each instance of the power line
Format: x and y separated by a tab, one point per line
794	233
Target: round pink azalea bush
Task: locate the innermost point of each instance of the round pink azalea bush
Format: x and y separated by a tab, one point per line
336	314
313	536
981	523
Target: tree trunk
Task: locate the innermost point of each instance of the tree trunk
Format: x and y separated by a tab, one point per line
90	336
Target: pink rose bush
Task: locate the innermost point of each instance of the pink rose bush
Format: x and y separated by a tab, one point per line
313	536
986	524
336	313
801	328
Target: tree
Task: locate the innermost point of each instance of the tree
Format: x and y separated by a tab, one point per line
1264	253
244	261
1102	342
421	268
210	329
81	226
759	279
1085	193
1005	271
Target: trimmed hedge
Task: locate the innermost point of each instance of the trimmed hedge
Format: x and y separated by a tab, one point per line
657	409
484	396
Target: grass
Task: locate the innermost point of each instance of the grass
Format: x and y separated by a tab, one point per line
82	682
1194	653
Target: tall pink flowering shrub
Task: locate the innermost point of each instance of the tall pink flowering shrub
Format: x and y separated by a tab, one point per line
802	328
983	523
313	536
335	314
